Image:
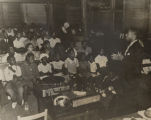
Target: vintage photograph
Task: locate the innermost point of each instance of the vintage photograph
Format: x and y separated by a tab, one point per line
75	59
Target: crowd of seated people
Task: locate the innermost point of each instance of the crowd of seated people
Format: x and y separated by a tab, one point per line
58	59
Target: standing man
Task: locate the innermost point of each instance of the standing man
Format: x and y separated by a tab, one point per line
131	62
133	55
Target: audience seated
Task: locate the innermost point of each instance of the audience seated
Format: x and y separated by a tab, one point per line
58	58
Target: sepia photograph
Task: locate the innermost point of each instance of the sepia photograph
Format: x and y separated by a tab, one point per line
75	59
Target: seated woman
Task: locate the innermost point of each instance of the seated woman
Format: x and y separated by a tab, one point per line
30	49
45	69
71	65
58	66
30	75
13	86
19	43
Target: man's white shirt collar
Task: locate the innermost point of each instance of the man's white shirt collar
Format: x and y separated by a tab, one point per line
126	51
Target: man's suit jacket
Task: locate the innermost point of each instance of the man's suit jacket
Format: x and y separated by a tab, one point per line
133	60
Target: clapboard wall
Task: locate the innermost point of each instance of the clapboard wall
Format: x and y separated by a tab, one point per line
133	13
34	13
137	14
10	14
16	13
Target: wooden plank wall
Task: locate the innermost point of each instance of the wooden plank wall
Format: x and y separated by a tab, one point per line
74	11
34	13
16	13
10	14
136	14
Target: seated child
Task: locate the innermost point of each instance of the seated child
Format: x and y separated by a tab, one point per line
71	63
13	86
93	66
101	61
45	69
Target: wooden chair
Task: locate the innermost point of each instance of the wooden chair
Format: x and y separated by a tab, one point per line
36	116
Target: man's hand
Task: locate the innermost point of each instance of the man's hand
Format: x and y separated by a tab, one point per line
117	56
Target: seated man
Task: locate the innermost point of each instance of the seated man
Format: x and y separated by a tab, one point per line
30	75
13	86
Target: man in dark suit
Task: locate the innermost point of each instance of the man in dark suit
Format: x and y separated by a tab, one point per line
130	63
133	56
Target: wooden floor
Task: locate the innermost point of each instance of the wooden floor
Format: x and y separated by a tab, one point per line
7	113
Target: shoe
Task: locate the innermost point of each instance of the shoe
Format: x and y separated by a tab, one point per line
26	107
14	104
